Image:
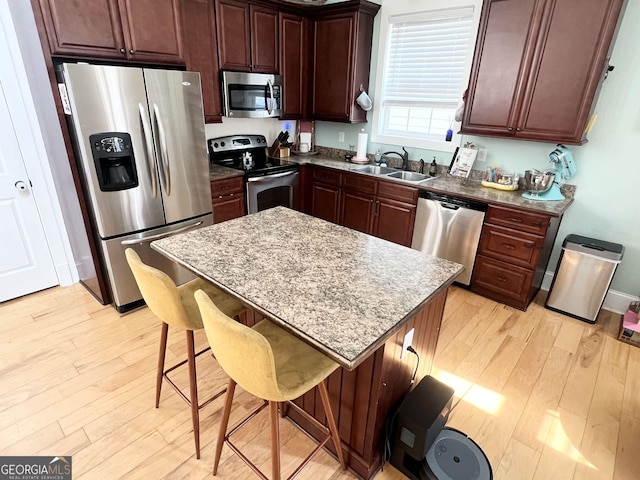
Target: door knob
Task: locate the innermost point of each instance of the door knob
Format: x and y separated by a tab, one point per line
20	185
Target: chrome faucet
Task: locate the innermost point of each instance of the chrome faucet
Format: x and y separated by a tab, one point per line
404	156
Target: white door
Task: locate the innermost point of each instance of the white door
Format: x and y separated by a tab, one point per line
26	265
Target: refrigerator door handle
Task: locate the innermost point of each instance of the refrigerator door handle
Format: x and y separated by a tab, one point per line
162	141
149	153
159	236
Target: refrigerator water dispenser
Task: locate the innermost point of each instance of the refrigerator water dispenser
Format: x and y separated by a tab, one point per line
114	161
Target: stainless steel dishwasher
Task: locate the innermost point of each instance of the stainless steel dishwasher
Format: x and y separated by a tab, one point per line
449	227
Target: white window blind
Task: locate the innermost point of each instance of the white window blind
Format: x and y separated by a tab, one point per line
425	72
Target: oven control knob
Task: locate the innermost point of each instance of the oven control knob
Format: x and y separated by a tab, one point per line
215	145
222	144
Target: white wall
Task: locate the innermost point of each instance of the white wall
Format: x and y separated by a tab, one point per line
607	201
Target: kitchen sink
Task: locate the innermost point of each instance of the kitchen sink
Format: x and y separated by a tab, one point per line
409	176
375	170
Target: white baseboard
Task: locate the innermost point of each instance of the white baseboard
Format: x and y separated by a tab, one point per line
617	302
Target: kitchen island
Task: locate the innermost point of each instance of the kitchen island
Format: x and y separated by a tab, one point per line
352	296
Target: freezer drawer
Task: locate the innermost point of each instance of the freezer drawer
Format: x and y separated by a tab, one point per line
124	289
584	273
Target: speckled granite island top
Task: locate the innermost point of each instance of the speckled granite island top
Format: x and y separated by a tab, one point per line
342	291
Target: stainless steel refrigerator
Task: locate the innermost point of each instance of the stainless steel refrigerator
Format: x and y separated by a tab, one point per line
141	148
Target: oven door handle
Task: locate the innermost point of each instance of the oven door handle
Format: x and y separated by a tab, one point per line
266	178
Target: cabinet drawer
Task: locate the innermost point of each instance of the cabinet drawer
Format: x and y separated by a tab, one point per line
226	185
394	191
501	281
327	175
359	182
525	221
511	246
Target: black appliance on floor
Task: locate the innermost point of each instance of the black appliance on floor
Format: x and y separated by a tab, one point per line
423	448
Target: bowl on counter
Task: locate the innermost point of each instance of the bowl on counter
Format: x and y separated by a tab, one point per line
536	181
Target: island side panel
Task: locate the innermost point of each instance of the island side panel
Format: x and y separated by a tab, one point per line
362	399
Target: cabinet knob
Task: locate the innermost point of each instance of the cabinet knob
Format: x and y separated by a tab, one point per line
123	51
132	51
510	129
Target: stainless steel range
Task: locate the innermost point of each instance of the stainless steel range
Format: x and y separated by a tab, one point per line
270	182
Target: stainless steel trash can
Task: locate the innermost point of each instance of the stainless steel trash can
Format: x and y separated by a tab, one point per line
583	276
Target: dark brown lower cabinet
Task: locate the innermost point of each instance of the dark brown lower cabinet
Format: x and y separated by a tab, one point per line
227	198
514	251
362	399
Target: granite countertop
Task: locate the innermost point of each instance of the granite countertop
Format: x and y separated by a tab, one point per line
342	291
218	172
447	184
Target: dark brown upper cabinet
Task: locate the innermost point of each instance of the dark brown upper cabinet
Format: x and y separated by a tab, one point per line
201	55
342	37
247	36
538	66
135	30
294	64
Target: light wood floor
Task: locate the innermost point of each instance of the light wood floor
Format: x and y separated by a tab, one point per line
544	395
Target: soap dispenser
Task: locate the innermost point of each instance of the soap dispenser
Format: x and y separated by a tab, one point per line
433	168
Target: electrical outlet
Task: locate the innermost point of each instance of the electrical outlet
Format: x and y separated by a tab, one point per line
341	137
408	339
482	155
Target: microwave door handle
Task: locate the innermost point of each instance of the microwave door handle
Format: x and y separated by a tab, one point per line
162	141
270	100
148	150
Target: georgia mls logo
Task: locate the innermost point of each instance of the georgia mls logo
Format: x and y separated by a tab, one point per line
35	468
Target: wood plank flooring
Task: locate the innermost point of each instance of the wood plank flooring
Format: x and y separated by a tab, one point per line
546	396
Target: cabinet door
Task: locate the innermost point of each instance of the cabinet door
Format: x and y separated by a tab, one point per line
504	50
568	69
394	221
294	64
152	30
87	29
325	202
234	35
228	207
264	40
357	211
201	53
502	282
333	67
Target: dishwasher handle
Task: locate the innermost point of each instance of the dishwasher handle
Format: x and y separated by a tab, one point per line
453	203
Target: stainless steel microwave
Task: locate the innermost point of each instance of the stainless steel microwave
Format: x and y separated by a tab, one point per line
251	95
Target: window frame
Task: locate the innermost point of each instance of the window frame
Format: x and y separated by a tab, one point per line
400	8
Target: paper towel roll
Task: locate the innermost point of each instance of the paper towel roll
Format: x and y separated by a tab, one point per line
361	149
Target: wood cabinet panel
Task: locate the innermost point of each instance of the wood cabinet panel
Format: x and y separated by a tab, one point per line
327	175
325	202
502	281
264	39
397	191
94	30
141	30
234	35
294	64
513	246
201	55
518	219
394	221
247	36
152	30
357	210
227	199
358	182
549	58
341	60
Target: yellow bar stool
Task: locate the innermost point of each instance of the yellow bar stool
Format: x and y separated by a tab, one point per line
273	365
176	306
